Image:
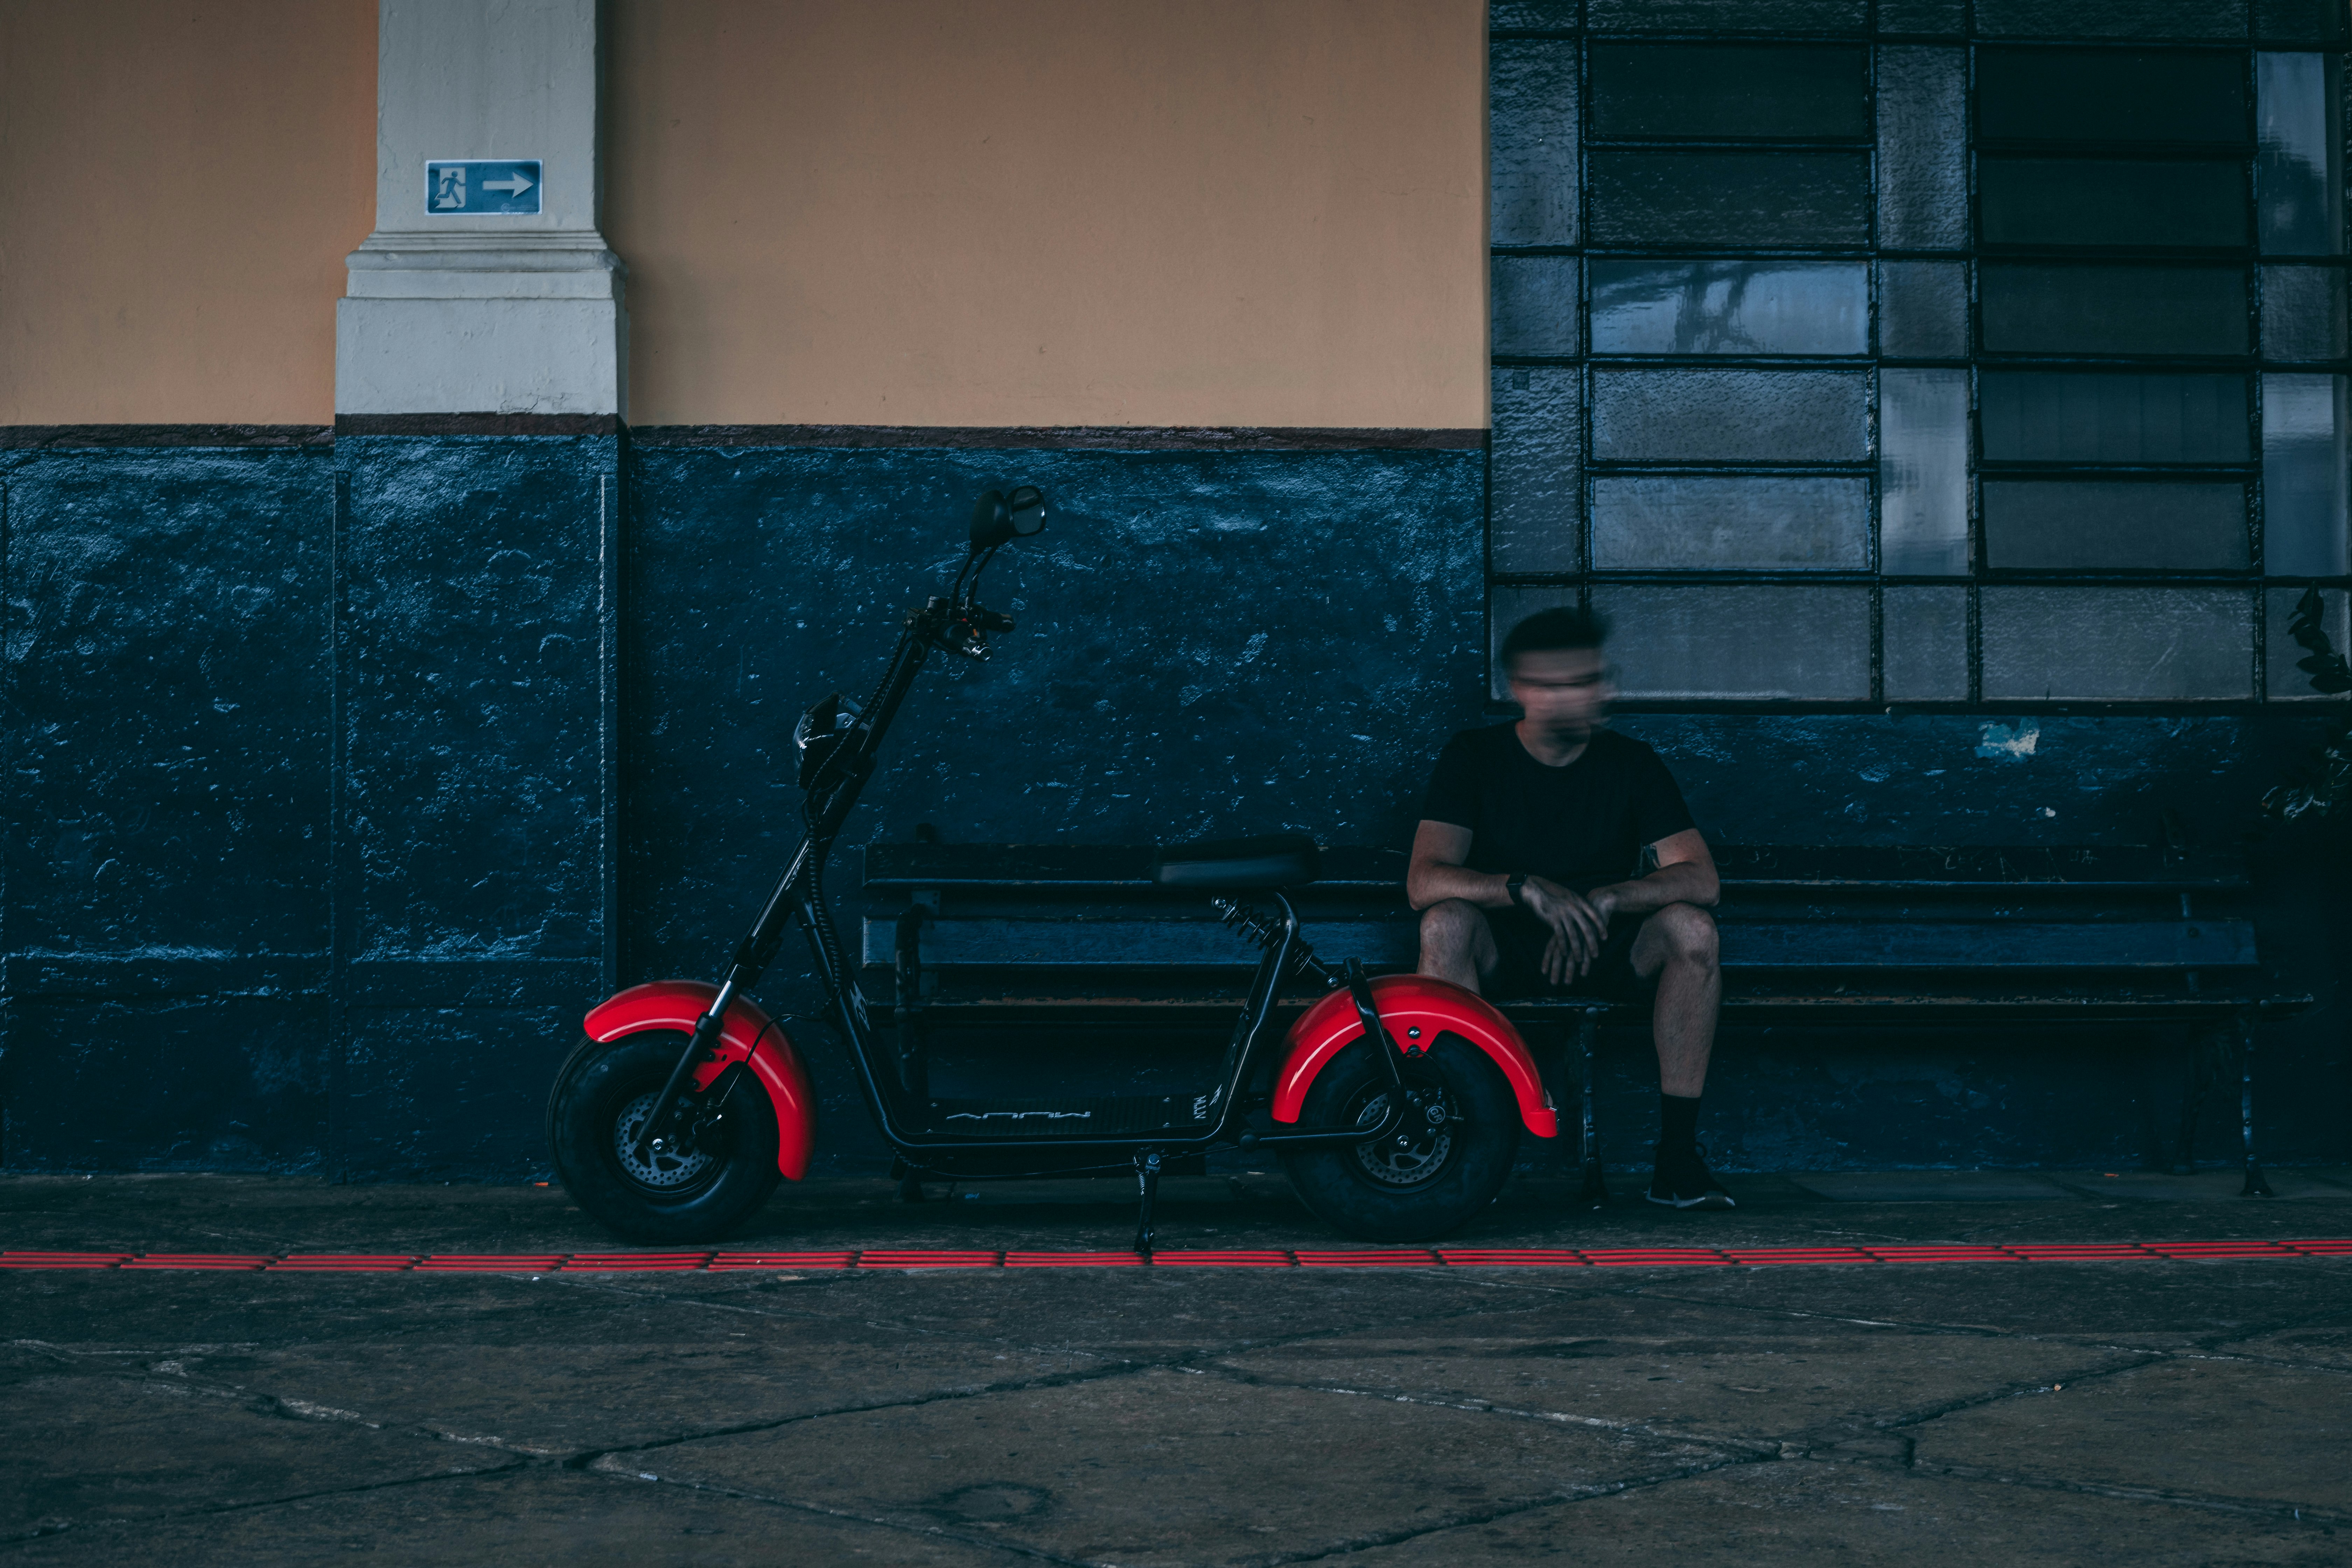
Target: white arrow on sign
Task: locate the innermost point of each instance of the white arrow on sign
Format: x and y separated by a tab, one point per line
513	182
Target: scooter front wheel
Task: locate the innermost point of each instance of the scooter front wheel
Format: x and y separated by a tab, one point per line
1422	1182
720	1167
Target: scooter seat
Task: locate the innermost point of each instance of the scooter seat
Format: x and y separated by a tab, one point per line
1275	860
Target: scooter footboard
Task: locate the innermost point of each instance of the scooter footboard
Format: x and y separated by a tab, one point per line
1416	1009
746	1034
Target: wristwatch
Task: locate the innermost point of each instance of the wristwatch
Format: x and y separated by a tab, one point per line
1517	887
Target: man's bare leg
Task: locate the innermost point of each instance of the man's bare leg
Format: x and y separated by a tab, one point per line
1677	943
1456	943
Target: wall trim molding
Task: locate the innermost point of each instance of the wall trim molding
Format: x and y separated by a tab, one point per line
40	438
1062	438
478	424
1032	437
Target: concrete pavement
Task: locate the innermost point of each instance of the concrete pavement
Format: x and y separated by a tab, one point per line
2148	1412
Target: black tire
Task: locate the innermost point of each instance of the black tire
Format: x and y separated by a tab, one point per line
603	1093
1422	1189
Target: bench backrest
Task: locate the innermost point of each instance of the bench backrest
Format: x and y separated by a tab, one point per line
2136	915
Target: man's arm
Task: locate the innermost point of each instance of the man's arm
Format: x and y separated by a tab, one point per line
1686	875
1435	873
1579	922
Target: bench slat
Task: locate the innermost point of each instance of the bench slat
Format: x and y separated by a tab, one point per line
1960	1008
1757	945
1128	866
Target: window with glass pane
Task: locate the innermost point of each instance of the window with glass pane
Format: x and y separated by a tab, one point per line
1999	353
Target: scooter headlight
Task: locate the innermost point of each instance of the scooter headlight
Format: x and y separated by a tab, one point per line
819	735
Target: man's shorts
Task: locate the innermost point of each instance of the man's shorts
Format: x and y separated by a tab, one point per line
1520	939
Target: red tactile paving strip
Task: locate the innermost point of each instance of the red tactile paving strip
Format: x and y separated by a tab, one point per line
1177	1258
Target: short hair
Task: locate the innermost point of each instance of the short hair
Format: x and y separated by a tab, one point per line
1561	627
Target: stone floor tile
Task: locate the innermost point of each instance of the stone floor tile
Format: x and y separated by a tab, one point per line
2141	1303
2216	1186
2216	1428
1163	1467
135	1442
520	1520
1759	1389
2317	1344
1804	1514
1928	1186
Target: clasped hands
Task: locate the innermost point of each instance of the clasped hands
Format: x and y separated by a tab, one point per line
1579	922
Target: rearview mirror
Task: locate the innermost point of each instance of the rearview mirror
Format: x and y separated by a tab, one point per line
996	518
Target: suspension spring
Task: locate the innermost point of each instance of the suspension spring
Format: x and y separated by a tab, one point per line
1262	932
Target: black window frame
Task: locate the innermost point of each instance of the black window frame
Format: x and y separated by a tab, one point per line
1562	24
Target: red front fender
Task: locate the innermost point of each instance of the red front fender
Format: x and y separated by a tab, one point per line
1407	1002
745	1033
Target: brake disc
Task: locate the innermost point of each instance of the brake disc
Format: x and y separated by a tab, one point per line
662	1169
1411	1155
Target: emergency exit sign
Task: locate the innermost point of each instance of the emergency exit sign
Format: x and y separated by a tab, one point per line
481	187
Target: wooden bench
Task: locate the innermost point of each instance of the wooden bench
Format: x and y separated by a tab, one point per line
980	932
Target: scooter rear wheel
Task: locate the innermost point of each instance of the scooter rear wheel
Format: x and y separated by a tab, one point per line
697	1194
1420	1183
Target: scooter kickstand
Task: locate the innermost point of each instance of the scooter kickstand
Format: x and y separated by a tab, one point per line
1147	1187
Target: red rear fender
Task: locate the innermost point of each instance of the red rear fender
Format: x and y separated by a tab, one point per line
745	1033
1416	1009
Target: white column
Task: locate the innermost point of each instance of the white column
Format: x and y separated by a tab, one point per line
472	313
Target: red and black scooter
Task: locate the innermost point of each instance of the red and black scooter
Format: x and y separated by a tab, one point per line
1396	1104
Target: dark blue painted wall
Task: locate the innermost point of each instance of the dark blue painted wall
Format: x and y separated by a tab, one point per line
342	778
164	912
473	816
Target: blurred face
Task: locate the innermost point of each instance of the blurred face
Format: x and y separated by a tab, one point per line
1564	692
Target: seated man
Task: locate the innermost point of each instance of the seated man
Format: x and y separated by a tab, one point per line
1526	869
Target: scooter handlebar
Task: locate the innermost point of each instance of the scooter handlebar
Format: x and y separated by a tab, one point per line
989	621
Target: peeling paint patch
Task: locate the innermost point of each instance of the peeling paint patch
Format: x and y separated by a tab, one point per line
2014	742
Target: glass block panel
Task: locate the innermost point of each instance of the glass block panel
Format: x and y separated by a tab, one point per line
1535	470
1923	644
2117	645
2111	95
2118	417
1711	92
2029	308
1923	182
2307	22
2299	156
2303	475
2111	202
1758	415
1532	140
2115	525
1743	522
1534	304
2283	680
2303	312
1923	472
1747	642
1763	197
1729	16
1923	309
1507	607
1730	308
2111	18
1922	17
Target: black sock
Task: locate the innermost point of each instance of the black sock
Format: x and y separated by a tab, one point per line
1677	1122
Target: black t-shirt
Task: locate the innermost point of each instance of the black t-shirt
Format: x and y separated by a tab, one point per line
1586	823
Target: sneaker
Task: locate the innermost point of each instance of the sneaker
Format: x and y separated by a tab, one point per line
1684	1181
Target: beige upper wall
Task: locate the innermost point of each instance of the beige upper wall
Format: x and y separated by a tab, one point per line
1051	212
179	184
893	212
